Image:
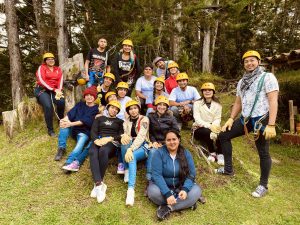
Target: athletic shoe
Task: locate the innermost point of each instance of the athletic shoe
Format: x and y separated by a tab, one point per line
130	197
222	171
121	168
126	176
212	157
93	192
59	154
51	133
194	207
74	166
220	159
163	212
101	192
260	191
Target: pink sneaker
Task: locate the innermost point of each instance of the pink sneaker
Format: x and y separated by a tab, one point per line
74	166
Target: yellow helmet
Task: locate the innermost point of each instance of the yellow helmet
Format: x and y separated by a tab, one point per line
110	75
114	103
161	99
182	76
251	53
109	94
209	86
127	42
160	79
81	81
131	103
172	65
48	55
122	85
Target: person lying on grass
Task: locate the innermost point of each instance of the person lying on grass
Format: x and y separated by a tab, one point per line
173	175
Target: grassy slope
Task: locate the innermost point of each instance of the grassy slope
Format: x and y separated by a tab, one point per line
33	189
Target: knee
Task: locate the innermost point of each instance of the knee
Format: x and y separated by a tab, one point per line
197	191
153	191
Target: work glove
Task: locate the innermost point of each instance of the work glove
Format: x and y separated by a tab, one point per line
58	95
213	136
269	132
125	139
103	141
227	125
129	155
215	129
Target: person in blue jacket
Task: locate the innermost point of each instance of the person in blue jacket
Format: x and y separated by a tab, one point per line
77	124
173	175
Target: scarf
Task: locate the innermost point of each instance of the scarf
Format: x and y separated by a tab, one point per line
249	78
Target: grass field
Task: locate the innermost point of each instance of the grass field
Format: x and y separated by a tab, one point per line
34	190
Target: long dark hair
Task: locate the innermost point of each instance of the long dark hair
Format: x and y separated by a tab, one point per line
184	170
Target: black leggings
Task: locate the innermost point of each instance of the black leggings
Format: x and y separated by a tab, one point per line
262	146
203	134
99	157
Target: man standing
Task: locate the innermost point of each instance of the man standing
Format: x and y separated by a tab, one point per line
182	99
97	63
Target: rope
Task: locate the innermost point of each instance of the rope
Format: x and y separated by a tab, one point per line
54	108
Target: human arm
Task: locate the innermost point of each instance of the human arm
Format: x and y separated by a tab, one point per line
270	131
86	69
190	179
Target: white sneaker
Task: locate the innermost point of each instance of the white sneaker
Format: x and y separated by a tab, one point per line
212	157
93	192
126	176
130	197
259	192
101	192
220	159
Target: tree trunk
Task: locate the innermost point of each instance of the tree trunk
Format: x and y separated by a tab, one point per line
177	35
62	39
213	42
206	51
159	32
38	12
14	53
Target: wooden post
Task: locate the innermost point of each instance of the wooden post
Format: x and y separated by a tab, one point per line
292	122
273	69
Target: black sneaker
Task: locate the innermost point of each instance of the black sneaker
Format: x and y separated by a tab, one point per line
51	133
222	171
163	212
194	207
202	199
59	154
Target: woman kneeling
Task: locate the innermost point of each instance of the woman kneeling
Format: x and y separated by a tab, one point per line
173	174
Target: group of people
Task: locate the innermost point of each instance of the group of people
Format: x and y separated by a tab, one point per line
110	123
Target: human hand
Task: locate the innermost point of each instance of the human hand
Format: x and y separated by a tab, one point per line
58	94
103	141
227	125
129	155
171	200
214	128
182	195
213	136
125	139
269	132
156	145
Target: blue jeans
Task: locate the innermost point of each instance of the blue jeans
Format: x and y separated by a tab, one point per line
95	78
81	140
44	98
138	155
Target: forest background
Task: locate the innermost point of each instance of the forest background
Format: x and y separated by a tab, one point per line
203	35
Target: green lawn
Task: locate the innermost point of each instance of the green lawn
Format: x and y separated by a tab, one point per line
34	190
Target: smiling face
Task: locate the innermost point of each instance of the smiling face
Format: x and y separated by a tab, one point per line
122	92
172	142
161	64
173	70
159	85
50	62
148	72
89	98
111	97
182	83
207	93
161	108
113	111
134	111
107	81
127	48
251	63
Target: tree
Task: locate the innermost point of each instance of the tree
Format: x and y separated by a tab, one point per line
38	13
14	53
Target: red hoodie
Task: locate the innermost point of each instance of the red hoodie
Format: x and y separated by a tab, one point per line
51	80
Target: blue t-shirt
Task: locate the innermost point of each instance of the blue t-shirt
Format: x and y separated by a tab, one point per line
190	93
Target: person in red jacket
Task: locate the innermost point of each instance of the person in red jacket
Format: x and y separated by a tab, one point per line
48	90
171	82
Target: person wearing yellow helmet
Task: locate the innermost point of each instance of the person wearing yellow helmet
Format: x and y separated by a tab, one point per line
134	146
182	99
108	81
126	65
144	86
207	113
106	136
257	101
97	63
77	124
122	90
48	90
171	82
159	89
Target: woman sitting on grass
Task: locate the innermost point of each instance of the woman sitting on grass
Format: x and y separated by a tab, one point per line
207	113
77	123
134	145
106	134
173	174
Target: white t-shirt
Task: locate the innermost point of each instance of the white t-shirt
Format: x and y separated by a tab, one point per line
121	114
262	104
190	93
145	86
